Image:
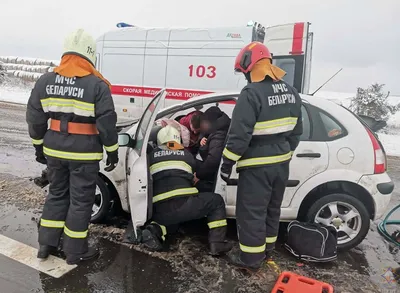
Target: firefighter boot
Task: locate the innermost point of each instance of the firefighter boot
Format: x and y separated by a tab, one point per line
45	250
234	259
152	238
220	248
216	238
73	259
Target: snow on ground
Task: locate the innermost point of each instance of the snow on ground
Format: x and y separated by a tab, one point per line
390	143
390	139
14	94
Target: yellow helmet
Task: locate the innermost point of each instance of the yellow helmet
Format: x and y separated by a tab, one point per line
171	136
81	43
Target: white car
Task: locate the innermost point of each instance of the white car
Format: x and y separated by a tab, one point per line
337	174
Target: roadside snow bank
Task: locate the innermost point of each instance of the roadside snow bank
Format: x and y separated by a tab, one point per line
19	95
391	143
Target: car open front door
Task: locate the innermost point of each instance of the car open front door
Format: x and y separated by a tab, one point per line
139	191
291	47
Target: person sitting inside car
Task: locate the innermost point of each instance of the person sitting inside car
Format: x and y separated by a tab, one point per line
176	200
192	122
214	126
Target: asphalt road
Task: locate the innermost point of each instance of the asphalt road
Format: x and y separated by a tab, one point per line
186	268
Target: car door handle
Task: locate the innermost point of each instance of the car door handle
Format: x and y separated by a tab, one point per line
309	155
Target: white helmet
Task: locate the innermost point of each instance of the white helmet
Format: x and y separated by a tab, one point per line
171	135
81	43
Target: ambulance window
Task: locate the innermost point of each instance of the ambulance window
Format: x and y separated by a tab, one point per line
306	125
287	64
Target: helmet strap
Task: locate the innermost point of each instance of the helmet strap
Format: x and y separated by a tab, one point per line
248	77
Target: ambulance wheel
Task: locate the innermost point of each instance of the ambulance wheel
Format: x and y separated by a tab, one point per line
346	213
102	202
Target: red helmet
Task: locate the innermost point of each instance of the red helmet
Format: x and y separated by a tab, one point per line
249	56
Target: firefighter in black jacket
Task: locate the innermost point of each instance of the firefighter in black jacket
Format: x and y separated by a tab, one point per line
175	200
77	100
265	130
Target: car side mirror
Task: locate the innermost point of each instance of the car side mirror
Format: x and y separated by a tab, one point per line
125	140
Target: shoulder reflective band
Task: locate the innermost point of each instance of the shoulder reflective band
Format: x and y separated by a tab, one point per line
217	224
231	156
37	141
275	126
68	106
264	160
252	249
51	223
112	148
75	234
270	240
173	193
73	156
170	165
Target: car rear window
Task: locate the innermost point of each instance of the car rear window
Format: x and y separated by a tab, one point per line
332	128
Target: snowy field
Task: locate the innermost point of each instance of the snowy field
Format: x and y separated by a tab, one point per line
390	138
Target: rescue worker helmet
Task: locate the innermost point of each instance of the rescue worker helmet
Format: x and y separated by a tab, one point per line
250	55
82	44
169	134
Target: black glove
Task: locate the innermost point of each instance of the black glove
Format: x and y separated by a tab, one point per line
40	155
226	170
112	161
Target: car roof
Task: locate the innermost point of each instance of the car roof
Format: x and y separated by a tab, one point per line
320	102
306	98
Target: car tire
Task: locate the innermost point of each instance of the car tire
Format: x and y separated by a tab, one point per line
362	220
103	201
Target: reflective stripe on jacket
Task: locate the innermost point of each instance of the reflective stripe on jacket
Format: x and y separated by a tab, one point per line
172	172
266	125
84	100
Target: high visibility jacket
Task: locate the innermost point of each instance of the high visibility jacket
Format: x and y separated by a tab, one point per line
266	125
172	172
82	114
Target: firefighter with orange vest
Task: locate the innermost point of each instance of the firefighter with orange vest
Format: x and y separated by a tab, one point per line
77	100
265	130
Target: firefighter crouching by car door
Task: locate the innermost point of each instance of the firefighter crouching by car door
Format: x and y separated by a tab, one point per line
175	200
265	130
77	100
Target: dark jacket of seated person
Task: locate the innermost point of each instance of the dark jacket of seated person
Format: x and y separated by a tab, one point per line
214	127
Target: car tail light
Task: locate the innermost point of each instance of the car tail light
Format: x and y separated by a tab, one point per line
379	155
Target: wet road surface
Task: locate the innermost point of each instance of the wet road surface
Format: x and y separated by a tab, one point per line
186	268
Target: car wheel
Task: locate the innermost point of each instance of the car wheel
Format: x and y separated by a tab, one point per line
102	202
347	214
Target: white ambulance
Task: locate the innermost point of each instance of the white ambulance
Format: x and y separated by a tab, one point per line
192	61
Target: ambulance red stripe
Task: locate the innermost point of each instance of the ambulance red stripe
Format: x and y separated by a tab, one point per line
149	92
297	44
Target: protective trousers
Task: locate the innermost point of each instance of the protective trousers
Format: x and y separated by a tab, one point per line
68	206
192	207
258	209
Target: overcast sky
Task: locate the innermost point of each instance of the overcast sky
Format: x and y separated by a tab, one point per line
362	36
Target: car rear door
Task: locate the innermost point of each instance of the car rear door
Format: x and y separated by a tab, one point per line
310	158
138	177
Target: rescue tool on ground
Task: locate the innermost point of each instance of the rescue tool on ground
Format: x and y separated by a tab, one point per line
265	131
176	200
77	100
